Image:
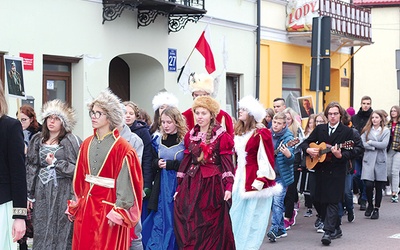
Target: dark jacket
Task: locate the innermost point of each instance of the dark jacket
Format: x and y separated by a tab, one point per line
142	130
330	174
360	119
12	164
284	165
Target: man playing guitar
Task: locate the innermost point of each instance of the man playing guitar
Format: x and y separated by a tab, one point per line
330	174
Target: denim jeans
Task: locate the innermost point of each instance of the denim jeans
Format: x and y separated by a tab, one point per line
348	195
278	208
357	178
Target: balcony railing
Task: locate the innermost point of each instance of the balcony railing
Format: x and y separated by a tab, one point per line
347	19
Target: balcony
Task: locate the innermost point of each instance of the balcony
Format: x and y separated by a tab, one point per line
350	24
178	12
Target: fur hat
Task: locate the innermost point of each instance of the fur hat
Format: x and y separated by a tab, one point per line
254	107
164	98
62	111
110	104
201	82
206	102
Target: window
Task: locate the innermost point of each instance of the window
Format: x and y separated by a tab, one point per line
232	94
57	78
291	79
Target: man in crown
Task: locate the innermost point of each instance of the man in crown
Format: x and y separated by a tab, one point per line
203	85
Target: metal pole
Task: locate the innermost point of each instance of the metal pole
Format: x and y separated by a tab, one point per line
258	56
318	63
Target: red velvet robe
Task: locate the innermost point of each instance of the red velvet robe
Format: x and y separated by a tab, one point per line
223	118
91	228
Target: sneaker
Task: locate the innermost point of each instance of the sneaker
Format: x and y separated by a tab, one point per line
363	205
292	220
326	239
388	191
318	221
320	228
286	224
375	214
272	236
350	216
355	199
369	210
336	234
281	233
395	198
308	213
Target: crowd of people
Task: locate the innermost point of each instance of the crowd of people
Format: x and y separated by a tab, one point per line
190	180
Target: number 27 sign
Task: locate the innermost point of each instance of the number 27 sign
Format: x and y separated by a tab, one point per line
172	60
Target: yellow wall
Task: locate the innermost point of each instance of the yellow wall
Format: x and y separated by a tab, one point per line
273	54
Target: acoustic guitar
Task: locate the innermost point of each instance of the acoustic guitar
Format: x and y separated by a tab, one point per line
311	162
290	143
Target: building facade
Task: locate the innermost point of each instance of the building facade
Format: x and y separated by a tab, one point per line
76	48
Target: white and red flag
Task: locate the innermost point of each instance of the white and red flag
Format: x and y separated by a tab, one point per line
203	46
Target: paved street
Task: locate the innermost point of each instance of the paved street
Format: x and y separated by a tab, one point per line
363	233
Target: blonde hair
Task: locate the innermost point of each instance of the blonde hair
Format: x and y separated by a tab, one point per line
368	126
179	121
294	127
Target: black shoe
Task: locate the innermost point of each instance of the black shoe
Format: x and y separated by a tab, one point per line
363	205
368	212
337	234
326	238
375	214
350	216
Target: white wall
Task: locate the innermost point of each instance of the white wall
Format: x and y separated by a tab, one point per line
374	65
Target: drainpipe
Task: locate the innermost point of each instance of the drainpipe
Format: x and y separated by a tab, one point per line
258	49
352	78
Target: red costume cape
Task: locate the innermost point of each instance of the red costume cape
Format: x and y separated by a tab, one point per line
91	228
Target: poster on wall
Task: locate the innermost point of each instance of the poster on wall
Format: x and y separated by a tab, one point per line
15	76
306	106
300	13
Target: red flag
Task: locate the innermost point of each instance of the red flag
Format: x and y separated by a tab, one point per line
203	46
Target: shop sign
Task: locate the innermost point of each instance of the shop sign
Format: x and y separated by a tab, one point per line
300	14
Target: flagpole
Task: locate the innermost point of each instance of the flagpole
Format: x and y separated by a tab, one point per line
184	65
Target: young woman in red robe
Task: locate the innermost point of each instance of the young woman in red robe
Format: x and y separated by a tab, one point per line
205	183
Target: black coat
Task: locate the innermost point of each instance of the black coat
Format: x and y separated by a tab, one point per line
330	174
12	164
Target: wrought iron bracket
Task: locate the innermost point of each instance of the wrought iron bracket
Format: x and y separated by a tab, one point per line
178	22
145	17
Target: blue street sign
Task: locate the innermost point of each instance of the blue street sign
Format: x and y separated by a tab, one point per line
172	60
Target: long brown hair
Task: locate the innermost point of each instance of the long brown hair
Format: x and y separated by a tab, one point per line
308	129
368	126
242	127
397	108
30	112
46	132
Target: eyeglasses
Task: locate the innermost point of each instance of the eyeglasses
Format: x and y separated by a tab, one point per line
95	114
333	114
54	118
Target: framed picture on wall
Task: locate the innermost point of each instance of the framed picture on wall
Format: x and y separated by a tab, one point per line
14	76
306	106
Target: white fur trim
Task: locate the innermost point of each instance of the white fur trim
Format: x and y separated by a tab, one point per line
201	82
164	98
60	109
264	193
254	107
